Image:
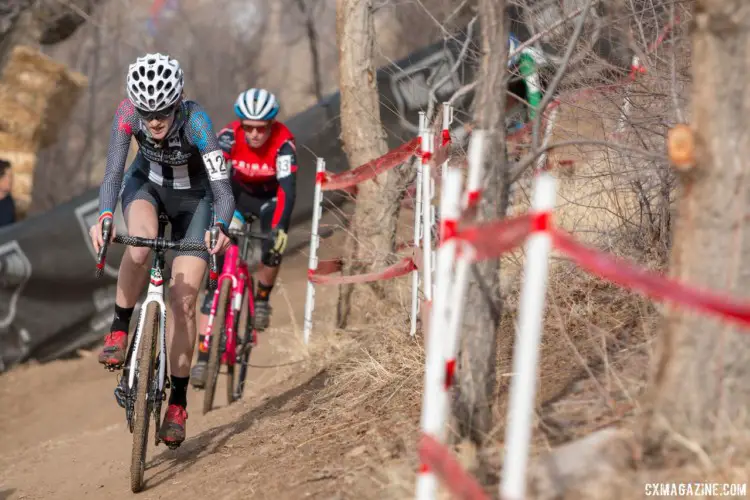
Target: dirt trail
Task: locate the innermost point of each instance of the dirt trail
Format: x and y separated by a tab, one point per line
65	437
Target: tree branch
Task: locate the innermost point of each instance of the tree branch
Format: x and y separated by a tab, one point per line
549	93
527	160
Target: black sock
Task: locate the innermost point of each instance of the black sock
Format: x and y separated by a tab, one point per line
202	356
178	394
121	321
264	291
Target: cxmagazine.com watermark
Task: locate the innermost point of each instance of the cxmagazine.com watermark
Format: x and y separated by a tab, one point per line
736	490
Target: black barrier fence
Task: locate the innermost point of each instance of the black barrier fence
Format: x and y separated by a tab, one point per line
50	302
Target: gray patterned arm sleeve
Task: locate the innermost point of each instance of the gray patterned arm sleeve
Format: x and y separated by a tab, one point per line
200	132
119	142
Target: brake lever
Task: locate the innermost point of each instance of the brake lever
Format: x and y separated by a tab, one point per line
102	254
213	273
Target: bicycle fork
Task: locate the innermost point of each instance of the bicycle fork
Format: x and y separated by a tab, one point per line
125	391
228	335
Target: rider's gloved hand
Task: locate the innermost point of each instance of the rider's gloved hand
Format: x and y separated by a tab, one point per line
95	231
279	245
237	221
222	242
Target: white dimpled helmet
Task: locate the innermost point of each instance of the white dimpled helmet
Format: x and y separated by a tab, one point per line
154	82
256	104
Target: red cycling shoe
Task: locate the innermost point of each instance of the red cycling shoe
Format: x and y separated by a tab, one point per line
115	350
172	430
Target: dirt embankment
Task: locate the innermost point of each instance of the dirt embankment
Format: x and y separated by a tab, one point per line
339	420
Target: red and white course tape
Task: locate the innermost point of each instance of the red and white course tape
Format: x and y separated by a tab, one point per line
460	483
350	178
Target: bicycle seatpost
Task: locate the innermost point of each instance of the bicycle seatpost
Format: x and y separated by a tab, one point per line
102	255
213	273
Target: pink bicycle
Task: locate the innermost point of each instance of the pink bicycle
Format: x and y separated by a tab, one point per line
231	315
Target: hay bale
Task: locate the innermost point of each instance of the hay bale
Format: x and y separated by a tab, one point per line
22	186
38	94
22	166
11	144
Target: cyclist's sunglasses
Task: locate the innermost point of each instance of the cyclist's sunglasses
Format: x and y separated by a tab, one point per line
162	114
258	128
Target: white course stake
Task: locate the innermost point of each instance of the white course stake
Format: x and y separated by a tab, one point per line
474	182
541	160
626	102
427	194
314	244
434	399
445	141
447	120
417	236
528	336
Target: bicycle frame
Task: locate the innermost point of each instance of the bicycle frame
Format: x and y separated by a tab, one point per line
155	294
235	269
147	400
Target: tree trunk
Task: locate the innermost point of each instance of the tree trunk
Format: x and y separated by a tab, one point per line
373	231
701	386
473	407
696	405
312	41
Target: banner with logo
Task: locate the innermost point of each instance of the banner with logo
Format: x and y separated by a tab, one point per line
50	301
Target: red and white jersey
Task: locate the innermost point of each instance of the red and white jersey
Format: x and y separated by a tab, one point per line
270	163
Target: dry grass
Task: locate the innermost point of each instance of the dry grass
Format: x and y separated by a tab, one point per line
595	356
596	347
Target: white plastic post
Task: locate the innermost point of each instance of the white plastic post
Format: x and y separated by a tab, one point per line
458	288
526	349
447	120
417	236
454	310
446	133
542	158
447	115
427	193
626	102
434	399
476	155
314	244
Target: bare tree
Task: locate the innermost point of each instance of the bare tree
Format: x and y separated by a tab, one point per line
695	409
483	304
114	36
702	383
373	232
308	9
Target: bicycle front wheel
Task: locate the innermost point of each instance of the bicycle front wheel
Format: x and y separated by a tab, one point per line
144	381
214	349
245	339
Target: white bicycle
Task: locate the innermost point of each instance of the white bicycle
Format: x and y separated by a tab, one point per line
144	381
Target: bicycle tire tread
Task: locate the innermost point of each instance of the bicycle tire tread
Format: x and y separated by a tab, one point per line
214	352
142	413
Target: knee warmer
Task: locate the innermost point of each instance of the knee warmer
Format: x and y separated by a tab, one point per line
271	258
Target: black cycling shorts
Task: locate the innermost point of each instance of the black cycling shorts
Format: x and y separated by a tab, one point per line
189	210
260	206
